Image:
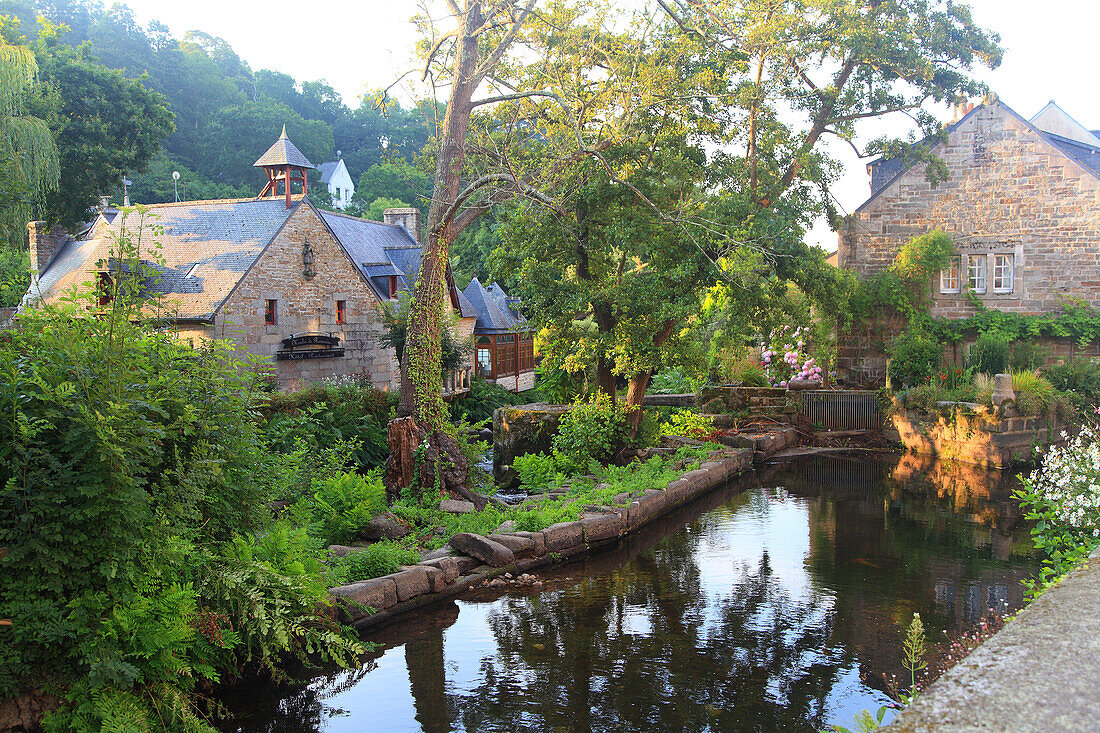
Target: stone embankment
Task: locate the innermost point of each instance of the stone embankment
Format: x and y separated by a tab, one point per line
470	560
1038	673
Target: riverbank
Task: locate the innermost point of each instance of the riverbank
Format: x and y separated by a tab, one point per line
1038	673
374	602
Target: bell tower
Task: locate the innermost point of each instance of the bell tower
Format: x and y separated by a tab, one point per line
284	164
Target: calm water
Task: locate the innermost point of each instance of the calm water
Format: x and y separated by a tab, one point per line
776	603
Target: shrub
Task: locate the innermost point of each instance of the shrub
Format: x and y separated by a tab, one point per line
989	354
343	504
381	558
983	388
924	397
671	380
590	431
478	404
1034	394
689	424
914	358
1027	355
1062	499
536	472
751	374
1079	375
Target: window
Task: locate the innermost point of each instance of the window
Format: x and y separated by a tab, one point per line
506	355
393	286
104	287
347	196
526	353
949	278
269	312
337	197
976	266
484	357
1002	273
341	311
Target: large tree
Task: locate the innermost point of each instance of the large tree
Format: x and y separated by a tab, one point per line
105	125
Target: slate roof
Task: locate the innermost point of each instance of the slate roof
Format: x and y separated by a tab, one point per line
1086	155
493	313
283	152
207	247
327	169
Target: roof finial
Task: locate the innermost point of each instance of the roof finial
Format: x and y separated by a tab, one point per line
283	136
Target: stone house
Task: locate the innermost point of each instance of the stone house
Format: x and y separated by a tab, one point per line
335	176
300	288
504	344
1022	203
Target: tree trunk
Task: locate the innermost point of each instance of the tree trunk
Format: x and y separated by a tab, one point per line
639	382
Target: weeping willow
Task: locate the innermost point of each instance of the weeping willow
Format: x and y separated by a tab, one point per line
28	156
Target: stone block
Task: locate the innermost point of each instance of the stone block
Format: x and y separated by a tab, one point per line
563	535
736	441
717	470
448	565
466	564
505	528
538	542
518	545
341	550
437	579
385	526
678	491
600	527
484	549
454	506
411	582
700	478
376	593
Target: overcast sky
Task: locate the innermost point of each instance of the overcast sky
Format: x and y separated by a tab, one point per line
367	45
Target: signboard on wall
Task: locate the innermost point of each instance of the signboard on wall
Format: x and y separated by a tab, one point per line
309	346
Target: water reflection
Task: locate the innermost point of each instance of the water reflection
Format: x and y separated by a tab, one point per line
773	605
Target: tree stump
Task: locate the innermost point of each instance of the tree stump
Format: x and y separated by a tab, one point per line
427	461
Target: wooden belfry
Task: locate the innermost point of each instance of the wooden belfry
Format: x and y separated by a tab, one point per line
284	164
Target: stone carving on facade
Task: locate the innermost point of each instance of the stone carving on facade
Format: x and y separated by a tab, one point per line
307	259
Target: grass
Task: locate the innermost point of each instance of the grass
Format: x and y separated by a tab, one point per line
433	528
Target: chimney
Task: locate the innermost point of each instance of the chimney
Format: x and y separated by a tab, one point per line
44	243
408	218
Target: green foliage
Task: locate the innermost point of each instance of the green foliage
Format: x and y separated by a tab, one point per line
395	317
1061	498
922	258
989	354
15	275
1034	394
380	558
672	380
328	419
1077	375
589	432
1027	355
105	125
559	386
477	405
689	424
536	472
924	397
133	485
343	504
914	357
393	180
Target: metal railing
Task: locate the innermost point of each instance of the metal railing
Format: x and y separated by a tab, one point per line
849	409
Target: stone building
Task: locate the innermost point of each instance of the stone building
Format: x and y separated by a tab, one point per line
504	345
1022	203
298	287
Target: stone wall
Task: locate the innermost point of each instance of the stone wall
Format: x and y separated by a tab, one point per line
976	436
769	402
308	304
1009	191
516	383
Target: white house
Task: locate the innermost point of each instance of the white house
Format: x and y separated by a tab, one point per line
334	174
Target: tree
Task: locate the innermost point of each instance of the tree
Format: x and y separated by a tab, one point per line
393	179
28	160
105	125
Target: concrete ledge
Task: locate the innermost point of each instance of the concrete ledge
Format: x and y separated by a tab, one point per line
1038	673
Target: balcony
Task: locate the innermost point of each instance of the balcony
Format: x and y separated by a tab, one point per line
457	382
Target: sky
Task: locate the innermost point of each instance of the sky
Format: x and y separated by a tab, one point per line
363	46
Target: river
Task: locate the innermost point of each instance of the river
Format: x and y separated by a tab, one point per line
775	603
